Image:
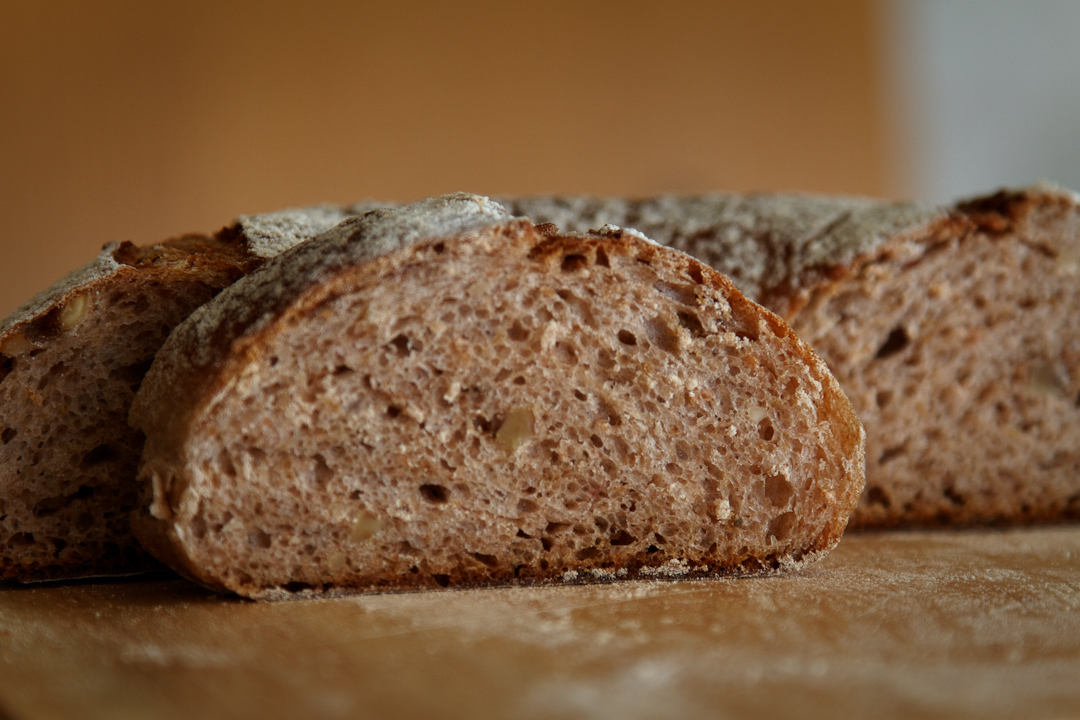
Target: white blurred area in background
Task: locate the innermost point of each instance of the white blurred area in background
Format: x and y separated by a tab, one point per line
984	93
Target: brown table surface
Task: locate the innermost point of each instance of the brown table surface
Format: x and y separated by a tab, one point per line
980	624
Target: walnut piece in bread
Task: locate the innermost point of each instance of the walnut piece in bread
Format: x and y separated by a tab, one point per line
954	332
440	394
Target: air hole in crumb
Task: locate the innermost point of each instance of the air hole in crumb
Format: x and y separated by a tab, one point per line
652	549
273	360
661	335
954	497
587	553
323	473
609	412
554	528
517	333
441	580
659	538
8	435
102	453
566	353
889	453
522	534
259	538
59	546
489	560
296	586
595	440
897	340
439	247
582	396
765	430
694	271
781	526
482	424
746	319
6	364
342	370
627	338
690	321
877	496
21	539
573	263
392	411
435	493
623	538
883	397
546	543
778	490
54	504
502	375
402	345
519	380
198	527
679	292
602	258
525	505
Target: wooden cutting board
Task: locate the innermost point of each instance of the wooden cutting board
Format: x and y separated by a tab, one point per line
982	624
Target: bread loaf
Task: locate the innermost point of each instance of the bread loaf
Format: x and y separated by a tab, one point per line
440	394
70	362
954	332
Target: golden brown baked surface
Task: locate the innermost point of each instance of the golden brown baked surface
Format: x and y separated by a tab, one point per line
442	395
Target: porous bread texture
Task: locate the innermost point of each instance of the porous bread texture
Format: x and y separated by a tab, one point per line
953	331
440	395
70	362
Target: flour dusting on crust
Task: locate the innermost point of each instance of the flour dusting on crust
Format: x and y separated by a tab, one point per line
271	234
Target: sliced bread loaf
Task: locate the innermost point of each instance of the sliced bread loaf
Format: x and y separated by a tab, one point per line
440	394
71	360
954	332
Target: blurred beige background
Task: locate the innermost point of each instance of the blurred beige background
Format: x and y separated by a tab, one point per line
138	121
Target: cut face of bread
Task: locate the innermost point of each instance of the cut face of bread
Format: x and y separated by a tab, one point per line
962	353
441	395
954	332
70	363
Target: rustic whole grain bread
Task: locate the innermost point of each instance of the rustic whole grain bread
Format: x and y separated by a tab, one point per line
71	360
440	394
954	332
